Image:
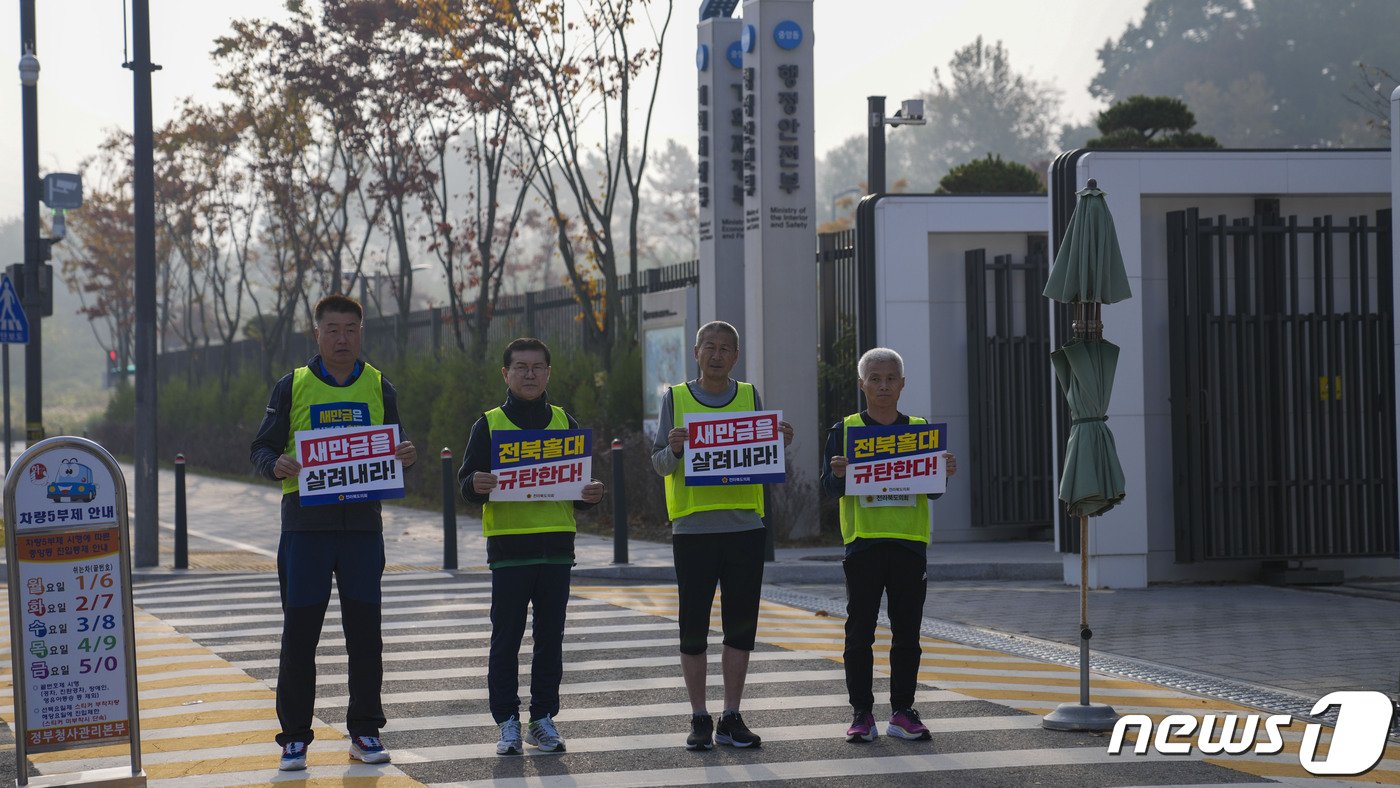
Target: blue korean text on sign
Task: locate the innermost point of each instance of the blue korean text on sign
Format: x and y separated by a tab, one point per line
735	54
14	326
787	34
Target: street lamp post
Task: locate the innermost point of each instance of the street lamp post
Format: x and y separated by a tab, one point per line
147	489
35	249
910	113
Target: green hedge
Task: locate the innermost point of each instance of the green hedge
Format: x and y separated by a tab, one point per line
213	422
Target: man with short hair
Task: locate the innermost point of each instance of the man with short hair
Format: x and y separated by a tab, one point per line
886	555
717	539
344	540
530	550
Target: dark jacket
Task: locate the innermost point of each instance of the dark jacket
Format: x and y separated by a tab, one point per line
271	442
527	415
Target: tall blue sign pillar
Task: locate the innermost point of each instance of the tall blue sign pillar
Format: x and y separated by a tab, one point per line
780	239
719	61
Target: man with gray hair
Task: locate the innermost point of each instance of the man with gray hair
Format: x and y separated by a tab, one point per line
886	541
717	539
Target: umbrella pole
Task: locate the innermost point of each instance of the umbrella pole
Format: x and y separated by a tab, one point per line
1084	633
1082	716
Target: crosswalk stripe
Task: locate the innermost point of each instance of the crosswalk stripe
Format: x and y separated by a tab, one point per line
334	614
621	685
818	769
480	621
209	723
462	752
479	671
274	603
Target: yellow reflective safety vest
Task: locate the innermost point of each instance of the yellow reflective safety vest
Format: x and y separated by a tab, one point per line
682	500
881	522
526	517
317	404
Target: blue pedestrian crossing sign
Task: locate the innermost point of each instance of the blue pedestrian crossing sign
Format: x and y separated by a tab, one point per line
14	326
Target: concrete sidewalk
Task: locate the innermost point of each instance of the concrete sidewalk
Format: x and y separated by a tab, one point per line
1260	645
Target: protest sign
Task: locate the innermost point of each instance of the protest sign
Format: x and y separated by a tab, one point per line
344	464
541	465
896	460
733	448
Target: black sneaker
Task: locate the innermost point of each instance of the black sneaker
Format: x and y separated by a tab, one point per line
702	729
735	733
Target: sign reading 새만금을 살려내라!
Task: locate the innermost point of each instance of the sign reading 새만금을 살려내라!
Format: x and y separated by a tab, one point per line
898	459
344	464
73	649
733	448
541	465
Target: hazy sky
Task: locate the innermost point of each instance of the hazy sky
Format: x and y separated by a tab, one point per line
887	47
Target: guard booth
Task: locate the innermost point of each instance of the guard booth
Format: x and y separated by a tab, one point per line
1254	407
72	634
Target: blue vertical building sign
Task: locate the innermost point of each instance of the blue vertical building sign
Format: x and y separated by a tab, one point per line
14	326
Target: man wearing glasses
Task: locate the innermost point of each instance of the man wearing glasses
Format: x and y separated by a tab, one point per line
530	550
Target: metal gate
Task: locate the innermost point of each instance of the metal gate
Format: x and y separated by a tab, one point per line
1282	386
1008	378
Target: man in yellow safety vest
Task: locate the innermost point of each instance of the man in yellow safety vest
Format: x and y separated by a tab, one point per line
530	550
346	540
717	538
886	555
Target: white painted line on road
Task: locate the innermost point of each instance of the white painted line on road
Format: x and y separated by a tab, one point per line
234	543
679	710
268	588
275	602
335	613
456	623
443	637
632	685
661	740
836	767
479	671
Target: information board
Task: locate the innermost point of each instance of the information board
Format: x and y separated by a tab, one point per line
72	637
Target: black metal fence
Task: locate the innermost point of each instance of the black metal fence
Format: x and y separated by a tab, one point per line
1283	398
838	305
553	314
1008	374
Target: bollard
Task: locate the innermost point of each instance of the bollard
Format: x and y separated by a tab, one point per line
182	535
769	554
449	512
619	505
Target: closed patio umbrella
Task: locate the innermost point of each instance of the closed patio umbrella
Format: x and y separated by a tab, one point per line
1088	271
1093	479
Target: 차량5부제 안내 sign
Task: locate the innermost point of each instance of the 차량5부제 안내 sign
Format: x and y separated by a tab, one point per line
73	652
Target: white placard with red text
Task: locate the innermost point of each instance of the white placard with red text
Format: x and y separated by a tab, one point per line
344	464
733	448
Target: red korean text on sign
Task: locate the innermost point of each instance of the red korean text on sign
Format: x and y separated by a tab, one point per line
730	432
371	444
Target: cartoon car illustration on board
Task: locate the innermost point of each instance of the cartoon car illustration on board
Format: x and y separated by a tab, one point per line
74	482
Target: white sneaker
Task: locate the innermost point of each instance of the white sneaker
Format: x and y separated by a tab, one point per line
543	734
510	738
293	756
